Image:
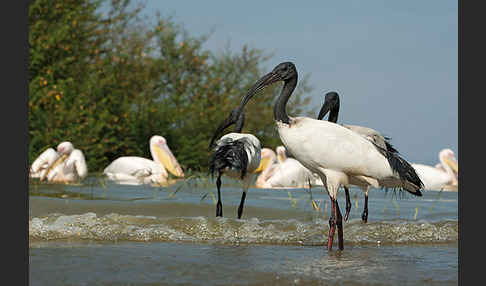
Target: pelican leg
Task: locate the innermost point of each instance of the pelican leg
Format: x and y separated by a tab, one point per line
348	204
339	223
219	205
364	216
242	202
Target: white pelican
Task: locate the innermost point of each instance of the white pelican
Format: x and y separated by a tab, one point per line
290	173
332	151
331	105
64	166
132	170
40	165
268	166
443	175
236	155
281	154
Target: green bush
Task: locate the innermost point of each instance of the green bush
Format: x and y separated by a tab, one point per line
108	82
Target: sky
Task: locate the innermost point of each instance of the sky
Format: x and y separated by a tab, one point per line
393	63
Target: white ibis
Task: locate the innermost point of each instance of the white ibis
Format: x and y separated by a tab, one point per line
236	155
330	150
331	105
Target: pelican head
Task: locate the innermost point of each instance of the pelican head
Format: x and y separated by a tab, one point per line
162	154
331	103
267	158
65	147
281	155
447	156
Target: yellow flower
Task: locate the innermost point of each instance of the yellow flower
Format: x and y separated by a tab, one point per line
58	97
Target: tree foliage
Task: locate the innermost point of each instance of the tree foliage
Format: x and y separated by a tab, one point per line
109	81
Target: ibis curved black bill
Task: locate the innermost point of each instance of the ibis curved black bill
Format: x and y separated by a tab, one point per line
263	82
236	117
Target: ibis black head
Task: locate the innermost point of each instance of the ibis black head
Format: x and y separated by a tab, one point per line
331	103
282	72
332	97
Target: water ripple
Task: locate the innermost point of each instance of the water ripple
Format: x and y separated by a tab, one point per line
114	227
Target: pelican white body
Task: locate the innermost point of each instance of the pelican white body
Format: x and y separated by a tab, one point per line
66	165
73	169
133	170
441	176
40	165
291	173
433	178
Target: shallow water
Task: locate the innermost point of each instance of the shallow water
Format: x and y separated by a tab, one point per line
150	263
100	233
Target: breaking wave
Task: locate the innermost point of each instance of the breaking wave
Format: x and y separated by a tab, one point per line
115	227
